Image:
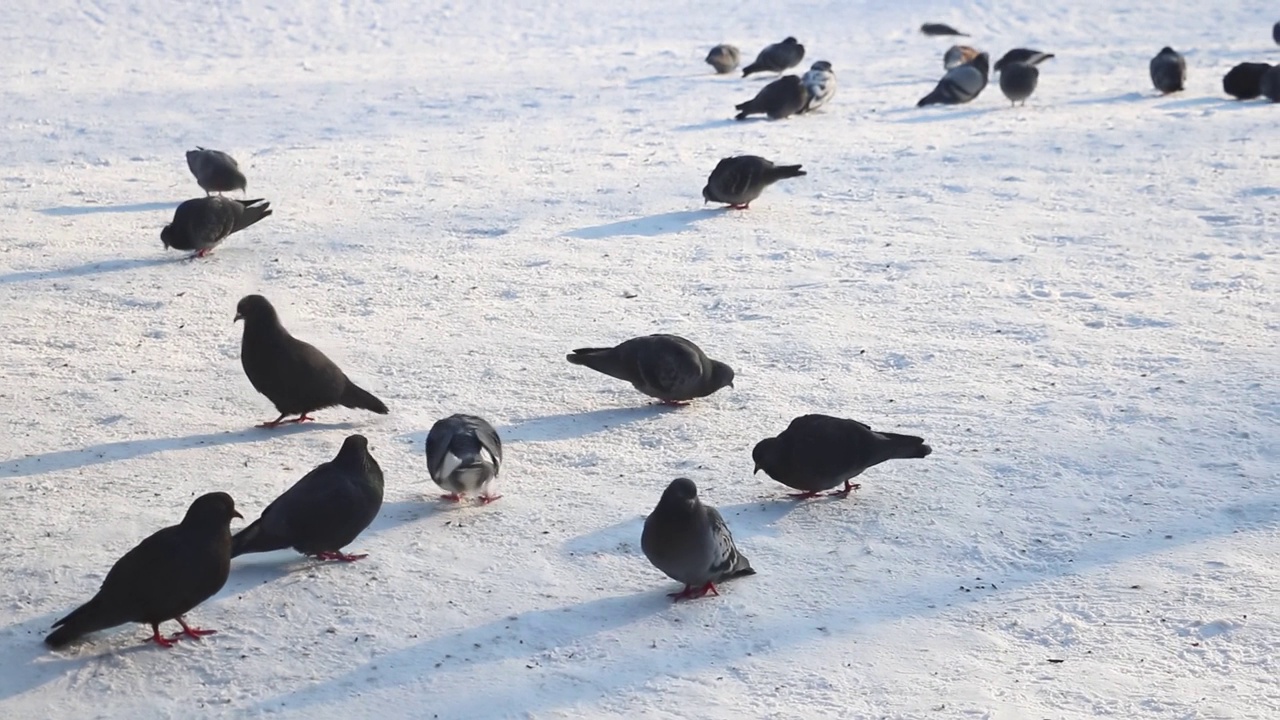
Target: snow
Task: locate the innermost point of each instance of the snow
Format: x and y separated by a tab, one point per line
1075	302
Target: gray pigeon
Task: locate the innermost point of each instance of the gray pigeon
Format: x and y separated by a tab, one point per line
201	224
1270	84
690	542
215	170
1168	70
818	452
1244	81
940	29
464	455
957	55
324	511
737	181
961	83
724	58
820	82
1275	33
781	98
296	377
667	367
778	57
1021	55
1018	80
163	578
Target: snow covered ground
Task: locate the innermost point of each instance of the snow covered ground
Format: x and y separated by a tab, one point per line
1077	303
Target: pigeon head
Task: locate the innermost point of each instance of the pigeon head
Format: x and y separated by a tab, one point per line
721	375
765	454
681	490
354	449
215	508
707	195
254	307
1166	50
167	236
822	66
790	41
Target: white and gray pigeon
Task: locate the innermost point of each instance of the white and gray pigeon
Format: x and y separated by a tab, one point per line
777	57
818	452
820	82
737	181
324	511
690	542
667	367
464	455
961	83
201	224
958	55
724	58
215	170
1168	71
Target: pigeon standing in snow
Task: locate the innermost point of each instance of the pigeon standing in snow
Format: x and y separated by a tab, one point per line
667	367
778	57
1275	33
781	98
215	170
690	542
1244	81
1168	70
164	577
1270	84
961	83
820	82
957	55
737	181
464	455
324	511
296	377
1021	55
201	224
724	58
818	452
1018	80
934	29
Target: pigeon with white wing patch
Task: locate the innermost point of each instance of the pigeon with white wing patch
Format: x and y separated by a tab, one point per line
464	455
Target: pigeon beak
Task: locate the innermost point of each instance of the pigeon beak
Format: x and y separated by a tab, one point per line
239	317
236	513
753	472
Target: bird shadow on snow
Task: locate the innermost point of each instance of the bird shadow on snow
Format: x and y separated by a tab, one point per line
649	226
72	210
707	125
932	114
569	426
746	520
90	268
128	449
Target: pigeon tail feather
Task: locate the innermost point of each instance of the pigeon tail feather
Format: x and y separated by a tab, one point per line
781	172
906	447
354	396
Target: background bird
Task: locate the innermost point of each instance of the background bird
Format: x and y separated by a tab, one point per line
936	29
1168	70
1021	55
296	377
667	367
200	224
690	542
1275	33
164	577
215	170
781	98
324	511
1269	86
1244	81
464	455
819	84
777	57
961	83
1018	80
818	452
737	181
957	55
724	58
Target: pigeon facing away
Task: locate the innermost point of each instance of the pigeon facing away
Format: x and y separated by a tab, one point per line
778	57
1168	70
1275	33
957	55
690	542
818	452
464	455
1244	81
1270	84
201	224
294	376
164	577
724	58
215	170
820	82
1021	55
961	83
667	367
940	29
737	181
781	98
1018	80
324	511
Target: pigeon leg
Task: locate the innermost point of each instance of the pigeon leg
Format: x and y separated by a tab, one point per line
848	488
674	403
486	499
691	592
274	423
157	638
453	497
189	631
803	495
735	206
302	418
200	253
334	555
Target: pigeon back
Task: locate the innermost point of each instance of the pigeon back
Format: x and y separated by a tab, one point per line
464	454
1168	71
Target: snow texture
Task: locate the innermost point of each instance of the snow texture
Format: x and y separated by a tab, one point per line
1077	304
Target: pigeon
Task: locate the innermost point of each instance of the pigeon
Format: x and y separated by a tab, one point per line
1270	84
957	55
464	454
940	29
163	578
297	378
324	511
737	181
724	58
1021	55
1275	33
781	98
1168	70
667	367
690	542
961	83
215	170
1018	80
777	57
200	224
820	82
818	452
1244	81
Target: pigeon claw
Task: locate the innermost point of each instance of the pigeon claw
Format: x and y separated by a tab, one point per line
848	488
188	631
736	206
486	499
335	555
453	497
281	420
804	495
157	638
692	592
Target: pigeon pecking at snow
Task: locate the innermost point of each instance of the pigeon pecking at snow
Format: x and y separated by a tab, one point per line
1270	84
464	455
961	83
201	224
820	84
1244	81
818	452
1168	71
324	511
690	542
737	181
215	170
777	57
667	367
296	377
164	577
724	58
781	98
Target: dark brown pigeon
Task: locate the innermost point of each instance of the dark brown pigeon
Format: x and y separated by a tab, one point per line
163	578
215	170
294	375
777	57
667	367
1168	70
781	98
940	29
737	181
202	223
690	542
818	452
1244	81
